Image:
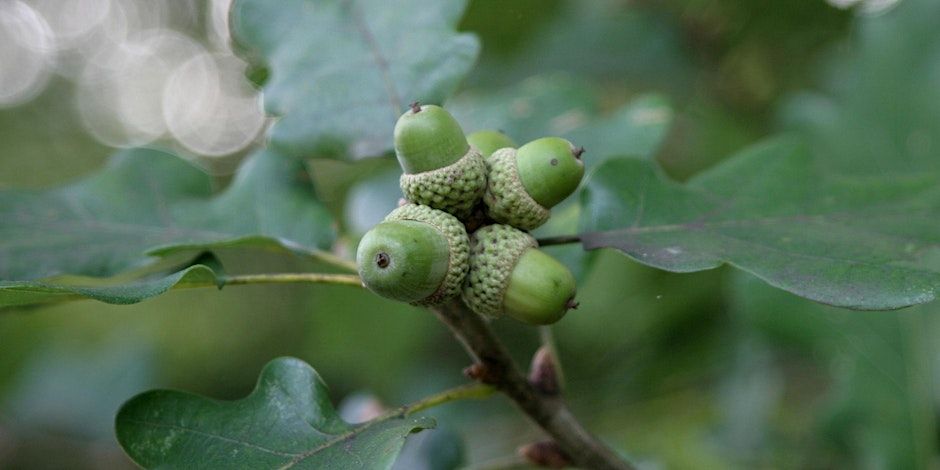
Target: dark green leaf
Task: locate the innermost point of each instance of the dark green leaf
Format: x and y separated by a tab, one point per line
858	242
286	422
21	293
147	199
342	71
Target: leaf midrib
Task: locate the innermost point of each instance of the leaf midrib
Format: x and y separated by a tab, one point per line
340	438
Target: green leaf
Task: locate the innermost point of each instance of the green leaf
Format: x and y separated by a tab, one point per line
859	242
147	199
21	293
342	71
286	422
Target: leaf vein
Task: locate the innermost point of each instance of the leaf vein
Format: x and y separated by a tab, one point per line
211	436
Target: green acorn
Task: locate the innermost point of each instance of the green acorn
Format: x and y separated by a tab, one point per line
417	255
508	274
441	169
488	142
524	184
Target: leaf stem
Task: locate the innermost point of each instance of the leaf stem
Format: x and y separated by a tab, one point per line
337	261
284	278
548	412
463	392
559	240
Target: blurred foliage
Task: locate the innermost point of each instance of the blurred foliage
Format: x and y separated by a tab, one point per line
705	370
372	61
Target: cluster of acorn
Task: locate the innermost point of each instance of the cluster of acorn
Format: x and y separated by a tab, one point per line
422	253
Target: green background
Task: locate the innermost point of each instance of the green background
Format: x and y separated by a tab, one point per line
705	370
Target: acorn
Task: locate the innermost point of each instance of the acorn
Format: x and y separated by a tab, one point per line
487	142
509	274
524	184
441	169
417	255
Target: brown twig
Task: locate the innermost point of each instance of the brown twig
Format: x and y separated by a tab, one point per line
548	412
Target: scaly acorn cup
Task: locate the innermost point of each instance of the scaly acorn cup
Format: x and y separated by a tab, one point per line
488	141
417	255
441	169
508	274
524	184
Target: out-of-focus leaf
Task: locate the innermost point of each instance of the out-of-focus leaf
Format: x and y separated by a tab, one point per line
878	411
286	422
608	40
206	273
862	242
147	199
342	71
563	106
372	198
69	389
504	30
880	112
636	129
749	398
538	106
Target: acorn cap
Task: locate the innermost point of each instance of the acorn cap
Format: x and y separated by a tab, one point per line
427	138
508	274
489	141
506	199
455	189
417	255
550	169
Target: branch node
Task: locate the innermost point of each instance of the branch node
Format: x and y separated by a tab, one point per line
545	454
480	373
543	373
